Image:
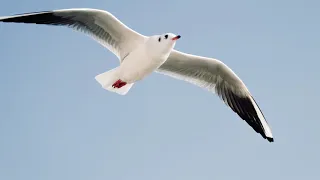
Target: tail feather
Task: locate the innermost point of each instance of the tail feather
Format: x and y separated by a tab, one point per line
107	79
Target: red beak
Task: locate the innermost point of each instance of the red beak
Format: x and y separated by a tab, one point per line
176	38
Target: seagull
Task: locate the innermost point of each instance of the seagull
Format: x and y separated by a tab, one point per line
140	55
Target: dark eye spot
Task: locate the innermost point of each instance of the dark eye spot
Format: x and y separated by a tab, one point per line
159	39
166	36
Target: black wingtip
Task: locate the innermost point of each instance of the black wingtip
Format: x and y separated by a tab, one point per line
270	139
41	17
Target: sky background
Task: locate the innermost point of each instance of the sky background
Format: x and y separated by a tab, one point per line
56	122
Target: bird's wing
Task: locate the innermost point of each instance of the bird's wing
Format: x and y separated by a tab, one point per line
100	25
215	76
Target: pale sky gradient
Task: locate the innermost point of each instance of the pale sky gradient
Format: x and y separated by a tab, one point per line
57	123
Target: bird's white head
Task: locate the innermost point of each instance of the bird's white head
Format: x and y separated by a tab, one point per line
161	45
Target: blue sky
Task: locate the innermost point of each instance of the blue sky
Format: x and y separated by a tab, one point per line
56	122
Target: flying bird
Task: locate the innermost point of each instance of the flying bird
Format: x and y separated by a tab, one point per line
140	55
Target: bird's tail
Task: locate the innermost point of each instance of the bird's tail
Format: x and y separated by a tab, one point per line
109	78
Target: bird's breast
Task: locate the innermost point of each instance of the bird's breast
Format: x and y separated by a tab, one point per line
138	65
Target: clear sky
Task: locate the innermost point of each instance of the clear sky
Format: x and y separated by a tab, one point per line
56	122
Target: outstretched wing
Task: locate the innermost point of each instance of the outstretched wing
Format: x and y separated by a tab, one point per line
215	76
99	24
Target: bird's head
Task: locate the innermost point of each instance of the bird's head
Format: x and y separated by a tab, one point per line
162	44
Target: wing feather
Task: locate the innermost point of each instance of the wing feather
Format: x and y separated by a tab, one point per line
215	76
102	26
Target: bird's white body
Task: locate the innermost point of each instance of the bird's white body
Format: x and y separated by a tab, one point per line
140	63
141	55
